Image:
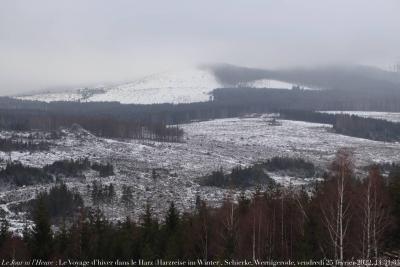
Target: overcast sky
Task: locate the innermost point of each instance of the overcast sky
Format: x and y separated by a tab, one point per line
48	44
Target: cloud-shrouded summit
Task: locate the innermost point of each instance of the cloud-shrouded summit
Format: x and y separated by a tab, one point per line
197	84
69	44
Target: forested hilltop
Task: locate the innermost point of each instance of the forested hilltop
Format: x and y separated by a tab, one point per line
341	218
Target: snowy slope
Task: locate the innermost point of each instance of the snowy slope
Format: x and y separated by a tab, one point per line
191	85
72	96
275	84
170	87
187	86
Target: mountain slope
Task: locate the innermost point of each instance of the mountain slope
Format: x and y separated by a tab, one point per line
192	85
171	87
187	86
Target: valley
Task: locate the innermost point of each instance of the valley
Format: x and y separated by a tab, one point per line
161	172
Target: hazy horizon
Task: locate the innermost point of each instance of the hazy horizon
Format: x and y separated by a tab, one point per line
61	44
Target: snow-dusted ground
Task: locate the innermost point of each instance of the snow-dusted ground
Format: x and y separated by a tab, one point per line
207	146
389	116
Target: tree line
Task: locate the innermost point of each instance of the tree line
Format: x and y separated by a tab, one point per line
256	175
151	121
98	124
8	144
373	100
239	177
342	218
351	125
20	175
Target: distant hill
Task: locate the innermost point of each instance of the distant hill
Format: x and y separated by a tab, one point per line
354	78
197	84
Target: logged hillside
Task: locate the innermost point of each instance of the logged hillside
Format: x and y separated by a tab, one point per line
278	223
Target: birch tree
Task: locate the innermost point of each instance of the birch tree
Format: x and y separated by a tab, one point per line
375	217
336	206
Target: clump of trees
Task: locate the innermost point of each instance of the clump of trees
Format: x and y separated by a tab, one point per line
60	202
257	175
8	144
68	168
238	178
71	167
102	194
104	170
20	175
127	197
291	166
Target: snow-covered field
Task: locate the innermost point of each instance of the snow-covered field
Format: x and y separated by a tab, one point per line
207	146
185	86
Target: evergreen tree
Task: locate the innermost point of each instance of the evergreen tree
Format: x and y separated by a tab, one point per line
148	235
172	219
4	231
61	239
127	196
111	193
42	238
172	234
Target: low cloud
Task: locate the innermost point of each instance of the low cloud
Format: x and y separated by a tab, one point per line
49	44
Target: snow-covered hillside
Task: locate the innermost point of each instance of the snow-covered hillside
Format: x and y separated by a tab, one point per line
187	86
191	85
170	87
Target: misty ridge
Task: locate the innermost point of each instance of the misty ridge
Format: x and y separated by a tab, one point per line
334	77
326	77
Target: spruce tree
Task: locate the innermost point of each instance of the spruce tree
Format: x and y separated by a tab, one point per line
4	231
172	234
148	235
42	237
172	219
